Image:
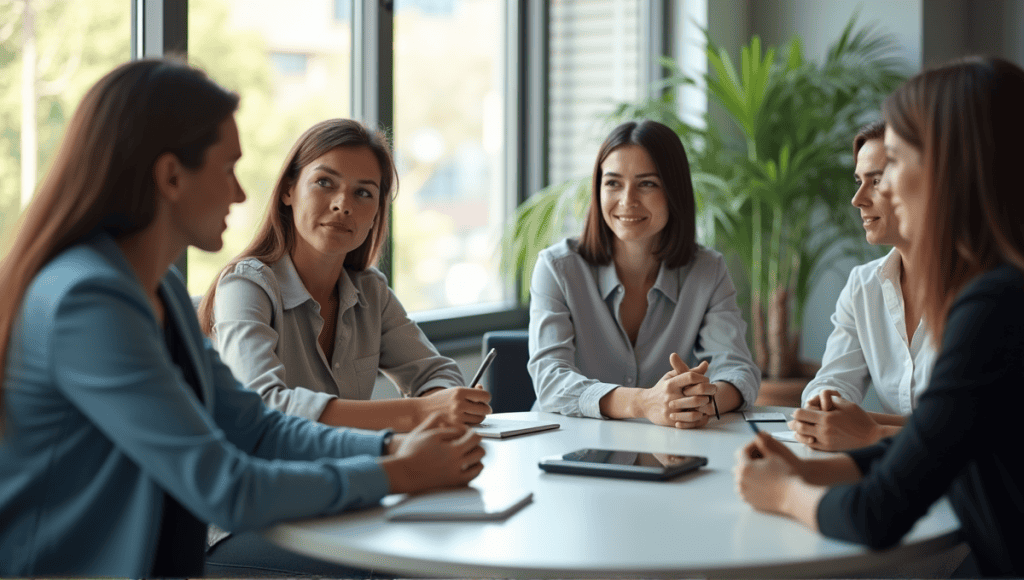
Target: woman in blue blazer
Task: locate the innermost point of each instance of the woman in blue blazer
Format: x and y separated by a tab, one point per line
123	434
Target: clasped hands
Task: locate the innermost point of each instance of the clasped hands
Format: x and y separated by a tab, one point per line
682	398
829	422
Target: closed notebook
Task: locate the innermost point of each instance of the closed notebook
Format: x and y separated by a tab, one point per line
459	504
502	428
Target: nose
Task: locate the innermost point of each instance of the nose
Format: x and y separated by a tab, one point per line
885	186
339	203
629	196
862	197
239	192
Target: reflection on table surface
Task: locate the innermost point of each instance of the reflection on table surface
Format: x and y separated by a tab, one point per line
579	526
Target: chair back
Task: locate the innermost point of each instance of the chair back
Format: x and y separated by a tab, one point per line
507	379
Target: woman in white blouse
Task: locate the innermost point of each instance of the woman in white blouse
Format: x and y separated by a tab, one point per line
302	317
879	338
619	316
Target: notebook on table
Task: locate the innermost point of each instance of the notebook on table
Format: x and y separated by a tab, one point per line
466	504
503	428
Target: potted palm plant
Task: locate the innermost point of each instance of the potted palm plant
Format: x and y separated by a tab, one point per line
774	195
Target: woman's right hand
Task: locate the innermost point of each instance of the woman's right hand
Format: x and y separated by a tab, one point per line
665	402
433	455
457	405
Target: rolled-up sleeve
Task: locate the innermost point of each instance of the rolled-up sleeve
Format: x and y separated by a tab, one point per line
843	366
247	343
722	338
560	386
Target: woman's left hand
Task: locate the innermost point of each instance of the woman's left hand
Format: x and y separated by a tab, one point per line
695	408
764	468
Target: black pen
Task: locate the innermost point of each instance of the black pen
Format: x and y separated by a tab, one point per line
483	367
754	427
715	403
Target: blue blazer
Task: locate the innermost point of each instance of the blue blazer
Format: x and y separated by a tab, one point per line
100	424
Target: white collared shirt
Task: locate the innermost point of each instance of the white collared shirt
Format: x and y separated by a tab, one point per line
579	351
869	344
266	326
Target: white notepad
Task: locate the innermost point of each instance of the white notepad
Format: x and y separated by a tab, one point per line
464	504
501	428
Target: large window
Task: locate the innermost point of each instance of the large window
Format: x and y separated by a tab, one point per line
596	56
291	64
50	54
449	147
485	101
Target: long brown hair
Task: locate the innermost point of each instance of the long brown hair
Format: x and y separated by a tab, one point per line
276	236
102	175
967	120
678	241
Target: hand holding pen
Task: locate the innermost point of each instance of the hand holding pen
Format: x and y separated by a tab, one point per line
460	405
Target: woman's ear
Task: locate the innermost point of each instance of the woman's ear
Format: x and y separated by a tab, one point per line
167	175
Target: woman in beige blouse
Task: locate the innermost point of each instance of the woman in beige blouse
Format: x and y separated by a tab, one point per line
302	317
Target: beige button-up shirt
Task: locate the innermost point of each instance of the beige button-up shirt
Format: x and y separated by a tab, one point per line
266	326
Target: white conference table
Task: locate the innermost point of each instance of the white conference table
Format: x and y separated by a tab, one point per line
580	526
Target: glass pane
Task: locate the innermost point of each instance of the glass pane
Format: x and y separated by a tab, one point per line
449	146
50	54
291	63
595	54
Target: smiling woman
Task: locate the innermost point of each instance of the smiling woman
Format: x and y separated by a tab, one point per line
616	316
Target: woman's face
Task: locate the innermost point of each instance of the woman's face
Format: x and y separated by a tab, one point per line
632	196
208	192
904	183
334	201
876	211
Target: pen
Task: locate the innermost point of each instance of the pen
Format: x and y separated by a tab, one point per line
483	367
715	403
754	427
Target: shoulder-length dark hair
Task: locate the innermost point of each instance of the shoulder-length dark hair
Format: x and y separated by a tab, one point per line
966	119
276	236
102	175
678	241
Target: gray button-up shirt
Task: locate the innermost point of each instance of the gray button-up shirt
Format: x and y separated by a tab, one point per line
579	351
266	326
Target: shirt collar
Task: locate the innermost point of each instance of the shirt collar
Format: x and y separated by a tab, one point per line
667	281
890	268
294	293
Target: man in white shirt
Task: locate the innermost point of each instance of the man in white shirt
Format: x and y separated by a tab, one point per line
879	338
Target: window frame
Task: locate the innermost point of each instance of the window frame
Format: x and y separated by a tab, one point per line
160	28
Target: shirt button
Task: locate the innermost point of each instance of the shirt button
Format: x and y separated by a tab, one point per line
629	380
337	365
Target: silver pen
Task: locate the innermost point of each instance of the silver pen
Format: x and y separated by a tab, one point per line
483	367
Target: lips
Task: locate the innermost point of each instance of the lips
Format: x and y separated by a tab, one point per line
868	220
338	226
630	219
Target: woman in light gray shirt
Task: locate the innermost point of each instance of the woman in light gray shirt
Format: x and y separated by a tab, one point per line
301	316
618	317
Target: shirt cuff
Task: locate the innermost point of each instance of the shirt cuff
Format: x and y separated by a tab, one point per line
364	480
744	385
431	384
590	399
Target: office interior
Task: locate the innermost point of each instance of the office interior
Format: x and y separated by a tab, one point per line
529	106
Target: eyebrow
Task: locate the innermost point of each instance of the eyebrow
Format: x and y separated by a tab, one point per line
869	173
639	175
327	169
